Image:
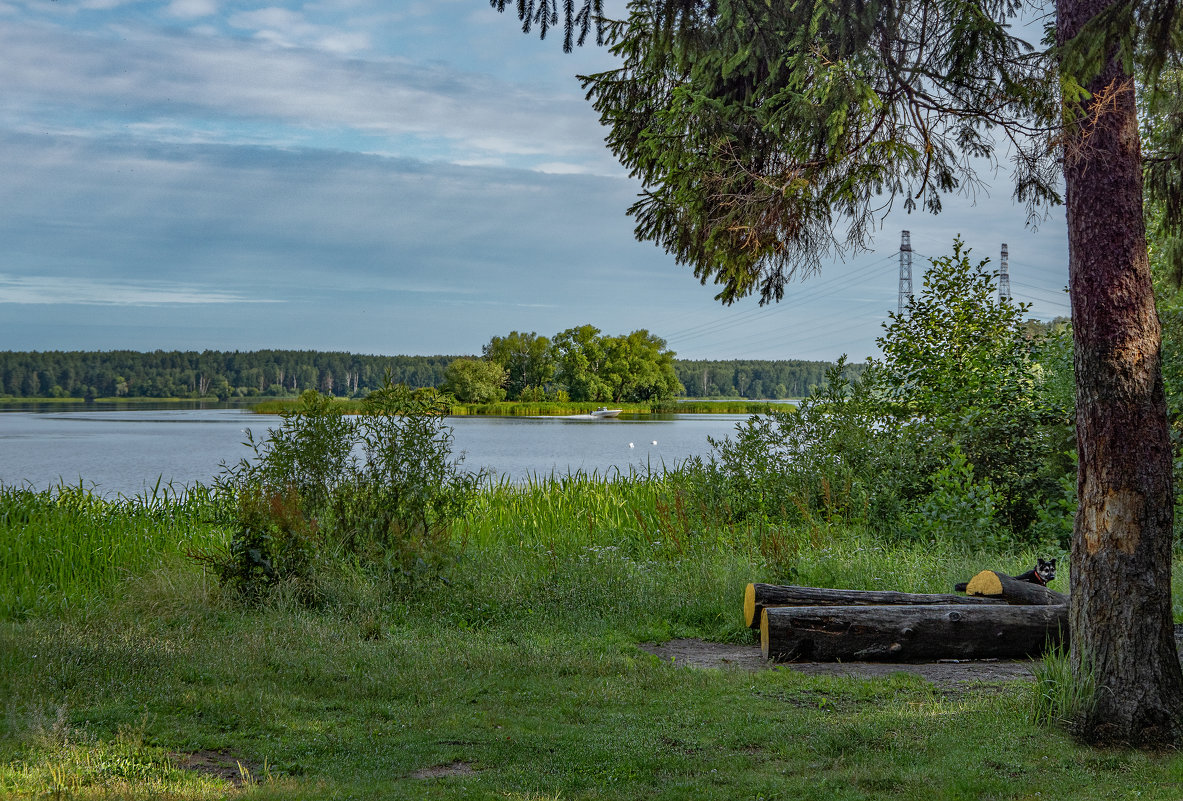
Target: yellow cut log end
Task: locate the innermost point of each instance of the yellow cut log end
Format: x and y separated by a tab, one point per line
749	606
984	583
764	633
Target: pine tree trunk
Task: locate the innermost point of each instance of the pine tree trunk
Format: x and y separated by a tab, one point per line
1120	619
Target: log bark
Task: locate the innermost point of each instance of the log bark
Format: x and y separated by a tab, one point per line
910	633
768	596
992	584
1121	545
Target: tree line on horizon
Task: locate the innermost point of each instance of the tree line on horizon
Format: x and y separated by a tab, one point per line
281	373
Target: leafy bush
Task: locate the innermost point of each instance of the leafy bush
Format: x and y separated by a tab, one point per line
959	508
962	431
378	491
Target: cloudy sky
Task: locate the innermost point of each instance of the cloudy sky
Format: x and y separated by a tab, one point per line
377	176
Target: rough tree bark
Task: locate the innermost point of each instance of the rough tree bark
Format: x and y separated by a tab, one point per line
909	633
1121	630
759	597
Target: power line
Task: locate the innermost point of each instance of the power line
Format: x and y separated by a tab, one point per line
817	291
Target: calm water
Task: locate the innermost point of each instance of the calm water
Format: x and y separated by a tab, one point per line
126	451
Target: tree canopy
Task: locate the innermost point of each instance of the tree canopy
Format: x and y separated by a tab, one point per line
587	365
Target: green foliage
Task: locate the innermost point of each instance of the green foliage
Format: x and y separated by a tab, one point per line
580	355
959	433
957	345
958	362
760	128
206	374
827	456
635	367
64	548
528	362
378	490
750	378
958	509
396	505
474	381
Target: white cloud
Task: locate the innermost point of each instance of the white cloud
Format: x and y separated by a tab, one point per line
44	290
192	9
286	28
298	95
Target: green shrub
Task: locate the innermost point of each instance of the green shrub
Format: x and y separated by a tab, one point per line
378	491
963	430
959	508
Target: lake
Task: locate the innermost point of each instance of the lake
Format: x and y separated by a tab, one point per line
125	451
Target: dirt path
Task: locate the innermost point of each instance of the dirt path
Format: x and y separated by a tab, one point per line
701	654
951	673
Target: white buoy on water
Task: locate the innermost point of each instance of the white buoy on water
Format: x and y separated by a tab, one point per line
630	445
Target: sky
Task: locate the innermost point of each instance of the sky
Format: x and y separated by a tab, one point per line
375	176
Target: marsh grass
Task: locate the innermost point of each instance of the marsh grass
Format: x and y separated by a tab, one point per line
63	547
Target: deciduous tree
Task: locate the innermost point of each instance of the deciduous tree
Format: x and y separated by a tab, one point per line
474	381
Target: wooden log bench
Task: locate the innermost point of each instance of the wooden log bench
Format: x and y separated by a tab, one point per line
912	633
768	596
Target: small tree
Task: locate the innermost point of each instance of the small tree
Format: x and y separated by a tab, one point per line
959	361
474	381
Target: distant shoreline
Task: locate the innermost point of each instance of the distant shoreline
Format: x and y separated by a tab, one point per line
261	405
534	409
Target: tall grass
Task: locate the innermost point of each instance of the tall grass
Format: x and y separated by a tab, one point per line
566	513
62	547
664	517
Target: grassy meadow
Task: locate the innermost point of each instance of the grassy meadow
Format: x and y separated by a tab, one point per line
127	671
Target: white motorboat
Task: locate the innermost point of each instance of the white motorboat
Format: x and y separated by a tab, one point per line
604	411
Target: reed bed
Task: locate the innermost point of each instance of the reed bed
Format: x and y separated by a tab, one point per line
631	511
63	547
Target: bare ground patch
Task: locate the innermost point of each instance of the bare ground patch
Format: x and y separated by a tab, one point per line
219	765
701	654
456	768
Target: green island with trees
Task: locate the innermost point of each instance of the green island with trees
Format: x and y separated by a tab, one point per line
576	370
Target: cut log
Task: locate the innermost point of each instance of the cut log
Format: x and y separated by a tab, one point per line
910	633
768	596
992	584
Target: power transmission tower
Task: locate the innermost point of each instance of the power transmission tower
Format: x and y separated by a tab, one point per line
1004	276
905	271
